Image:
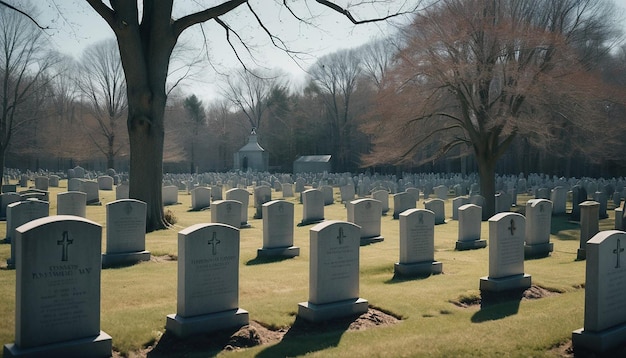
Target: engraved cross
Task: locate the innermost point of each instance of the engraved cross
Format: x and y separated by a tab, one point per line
341	236
512	228
65	242
213	242
618	250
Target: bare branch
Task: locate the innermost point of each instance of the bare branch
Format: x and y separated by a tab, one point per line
25	14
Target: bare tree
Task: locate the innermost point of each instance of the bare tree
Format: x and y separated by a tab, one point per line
478	74
102	85
146	41
335	77
23	65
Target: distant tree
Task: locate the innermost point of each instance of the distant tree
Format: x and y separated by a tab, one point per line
197	120
478	74
102	85
335	78
24	61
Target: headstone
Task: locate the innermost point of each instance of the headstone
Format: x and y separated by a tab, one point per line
90	188
72	203
477	200
9	188
57	311
558	196
122	191
287	189
6	199
42	183
437	206
602	199
604	324
24	181
414	192
619	212
242	196
54	180
79	172
579	195
20	213
226	212
456	204
401	202
200	198
262	194
125	233
105	182
300	183
503	202
506	254
333	273
42	195
208	281
216	192
327	190
589	225
441	192
74	184
470	220
366	213
417	244
169	195
538	224
383	197
312	207
542	193
347	193
278	228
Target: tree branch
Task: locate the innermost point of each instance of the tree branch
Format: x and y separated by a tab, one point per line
201	16
347	13
25	14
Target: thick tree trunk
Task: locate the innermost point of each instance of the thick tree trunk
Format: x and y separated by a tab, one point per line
487	173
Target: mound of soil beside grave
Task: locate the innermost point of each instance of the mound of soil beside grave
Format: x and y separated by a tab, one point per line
254	334
532	293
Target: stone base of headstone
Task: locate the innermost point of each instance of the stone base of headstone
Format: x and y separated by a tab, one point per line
290	251
187	326
99	346
124	258
470	245
327	311
310	222
245	225
599	341
538	250
94	202
581	254
501	284
10	264
371	240
418	268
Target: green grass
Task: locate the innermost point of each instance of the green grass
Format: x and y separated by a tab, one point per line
136	299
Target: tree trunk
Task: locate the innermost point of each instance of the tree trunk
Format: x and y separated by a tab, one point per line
2	161
146	134
487	173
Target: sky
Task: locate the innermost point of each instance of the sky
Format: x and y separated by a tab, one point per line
74	26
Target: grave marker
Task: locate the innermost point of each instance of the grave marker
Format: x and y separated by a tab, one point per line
470	221
367	214
125	233
417	244
278	227
538	224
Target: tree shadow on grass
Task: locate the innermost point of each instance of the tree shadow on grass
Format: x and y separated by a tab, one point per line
305	337
201	345
498	305
562	223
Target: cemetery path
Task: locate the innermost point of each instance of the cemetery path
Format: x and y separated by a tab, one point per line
254	334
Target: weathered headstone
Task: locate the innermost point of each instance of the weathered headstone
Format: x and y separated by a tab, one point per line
456	204
243	196
619	212
20	213
327	190
122	191
604	326
347	192
72	203
414	192
216	192
437	206
579	195
57	311
506	254
105	182
417	244
42	183
287	190
200	198
125	233
262	195
74	184
208	281
312	207
538	224
602	199
589	225
92	190
367	214
6	199
226	212
278	227
333	273
169	195
441	192
401	202
470	220
383	197
54	180
503	202
558	196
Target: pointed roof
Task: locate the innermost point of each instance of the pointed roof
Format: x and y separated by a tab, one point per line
253	144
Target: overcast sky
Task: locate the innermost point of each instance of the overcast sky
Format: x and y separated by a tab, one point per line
74	25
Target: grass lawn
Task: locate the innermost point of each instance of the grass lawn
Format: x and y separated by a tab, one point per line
136	299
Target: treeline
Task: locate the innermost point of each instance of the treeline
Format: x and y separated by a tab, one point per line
74	113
